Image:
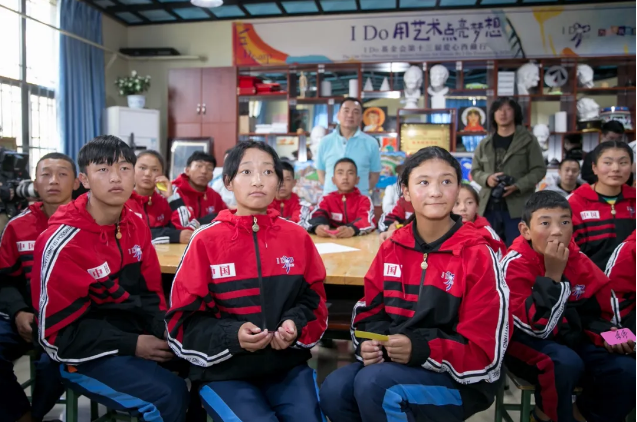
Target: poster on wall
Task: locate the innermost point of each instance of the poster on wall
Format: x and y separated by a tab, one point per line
485	33
472	119
374	118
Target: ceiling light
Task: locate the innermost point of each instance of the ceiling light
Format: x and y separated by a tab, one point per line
207	3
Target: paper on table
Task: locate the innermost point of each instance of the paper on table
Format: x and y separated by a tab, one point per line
325	248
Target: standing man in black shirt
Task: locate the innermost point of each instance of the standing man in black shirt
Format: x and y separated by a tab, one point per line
511	150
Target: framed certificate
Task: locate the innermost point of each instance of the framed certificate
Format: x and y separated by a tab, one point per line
415	136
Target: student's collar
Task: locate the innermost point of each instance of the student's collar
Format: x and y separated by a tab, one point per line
434	246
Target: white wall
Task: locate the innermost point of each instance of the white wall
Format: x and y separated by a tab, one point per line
114	36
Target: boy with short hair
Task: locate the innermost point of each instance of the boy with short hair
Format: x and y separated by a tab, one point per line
347	211
286	202
194	202
561	304
99	298
567	182
55	180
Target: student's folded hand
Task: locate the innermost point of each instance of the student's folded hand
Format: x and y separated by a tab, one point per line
626	348
152	348
185	235
252	338
23	322
321	231
371	352
398	348
344	232
285	336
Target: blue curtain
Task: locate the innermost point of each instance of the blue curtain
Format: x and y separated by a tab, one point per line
320	114
81	93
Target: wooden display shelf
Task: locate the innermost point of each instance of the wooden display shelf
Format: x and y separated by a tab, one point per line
546	97
605	91
315	100
469	92
381	133
274	95
274	134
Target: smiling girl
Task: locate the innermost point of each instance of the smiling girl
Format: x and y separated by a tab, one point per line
435	291
248	302
467	208
604	213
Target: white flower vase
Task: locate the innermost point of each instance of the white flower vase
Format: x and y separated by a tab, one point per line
136	101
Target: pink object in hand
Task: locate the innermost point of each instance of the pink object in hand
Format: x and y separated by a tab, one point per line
618	337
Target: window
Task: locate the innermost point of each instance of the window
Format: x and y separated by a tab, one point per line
37	119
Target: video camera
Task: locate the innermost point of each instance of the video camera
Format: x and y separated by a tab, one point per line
15	184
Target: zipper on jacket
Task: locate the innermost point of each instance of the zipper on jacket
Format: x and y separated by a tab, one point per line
121	253
199	208
424	266
146	212
612	210
261	292
344	210
282	208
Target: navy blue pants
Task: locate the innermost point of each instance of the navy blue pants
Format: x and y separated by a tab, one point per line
46	390
608	379
389	392
505	226
138	386
289	397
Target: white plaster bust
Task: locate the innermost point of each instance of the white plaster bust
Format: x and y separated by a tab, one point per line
587	109
528	76
542	133
317	133
412	79
585	75
438	76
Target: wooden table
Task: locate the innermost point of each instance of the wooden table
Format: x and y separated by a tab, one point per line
347	268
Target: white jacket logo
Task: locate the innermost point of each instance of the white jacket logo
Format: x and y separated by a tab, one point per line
392	270
589	215
223	271
136	251
26	246
100	272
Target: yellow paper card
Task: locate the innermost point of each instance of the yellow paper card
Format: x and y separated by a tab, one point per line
371	336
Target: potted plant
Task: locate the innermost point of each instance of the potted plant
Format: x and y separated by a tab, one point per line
132	87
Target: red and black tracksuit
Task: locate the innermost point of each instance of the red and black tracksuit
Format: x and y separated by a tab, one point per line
156	211
16	261
399	214
190	207
599	227
293	208
99	289
621	271
261	269
492	238
449	298
344	209
557	343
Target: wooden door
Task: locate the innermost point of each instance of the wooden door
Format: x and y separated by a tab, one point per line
184	102
219	108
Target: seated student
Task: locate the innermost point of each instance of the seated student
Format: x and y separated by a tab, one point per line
567	182
621	272
561	305
220	188
99	297
248	329
392	193
397	218
286	202
55	180
346	209
604	213
151	202
467	207
194	202
436	291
